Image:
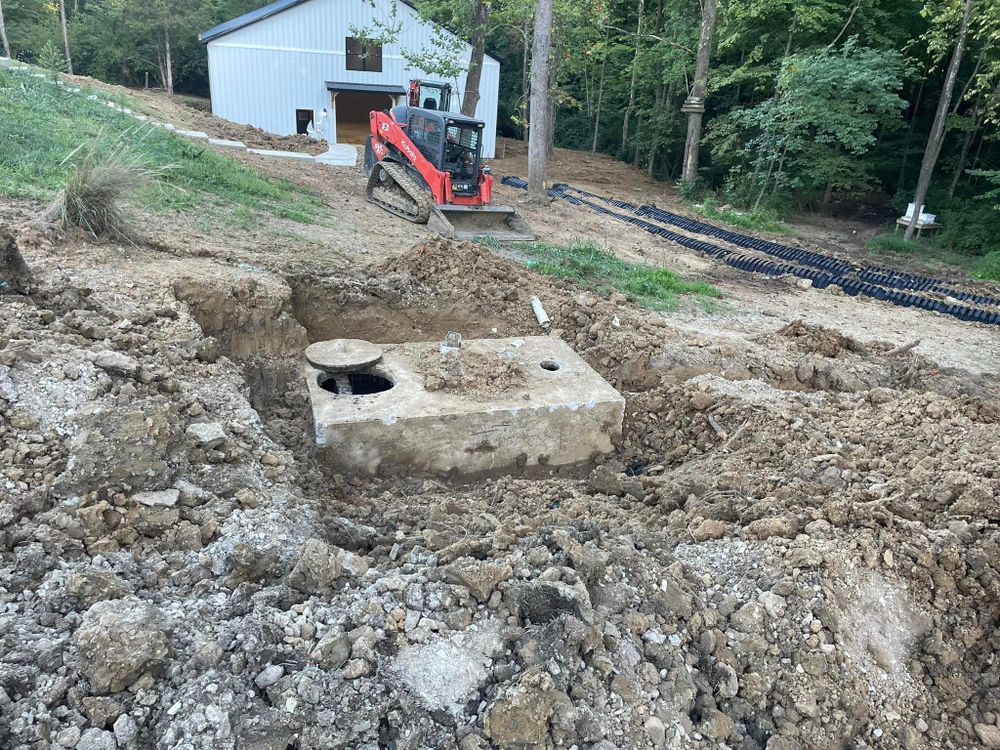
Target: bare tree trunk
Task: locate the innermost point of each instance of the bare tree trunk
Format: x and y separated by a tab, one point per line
696	100
480	26
3	33
600	96
169	82
65	31
538	138
936	139
635	71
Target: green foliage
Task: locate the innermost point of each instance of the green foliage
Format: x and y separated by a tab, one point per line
823	119
43	124
760	219
589	266
988	267
51	58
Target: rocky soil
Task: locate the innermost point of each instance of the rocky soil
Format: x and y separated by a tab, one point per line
796	545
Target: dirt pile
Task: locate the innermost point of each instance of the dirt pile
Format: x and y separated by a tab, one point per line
477	374
765	563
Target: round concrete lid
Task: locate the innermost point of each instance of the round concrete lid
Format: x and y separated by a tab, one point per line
343	355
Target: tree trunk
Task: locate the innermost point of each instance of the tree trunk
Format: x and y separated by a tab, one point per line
169	82
600	97
936	139
3	33
65	31
480	26
538	138
635	71
698	89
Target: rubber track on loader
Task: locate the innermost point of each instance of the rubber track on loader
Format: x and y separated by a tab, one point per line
405	199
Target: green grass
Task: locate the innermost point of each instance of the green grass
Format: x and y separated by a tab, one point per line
589	266
43	124
760	219
987	267
924	249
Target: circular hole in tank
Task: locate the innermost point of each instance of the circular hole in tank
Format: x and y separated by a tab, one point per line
354	383
550	364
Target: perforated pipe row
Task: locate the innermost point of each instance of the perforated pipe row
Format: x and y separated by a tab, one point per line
877	283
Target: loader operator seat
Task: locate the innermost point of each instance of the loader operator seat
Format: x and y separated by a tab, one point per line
429	103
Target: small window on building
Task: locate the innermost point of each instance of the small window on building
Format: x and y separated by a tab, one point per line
363	56
303	119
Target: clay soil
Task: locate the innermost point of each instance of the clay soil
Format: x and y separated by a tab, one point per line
796	543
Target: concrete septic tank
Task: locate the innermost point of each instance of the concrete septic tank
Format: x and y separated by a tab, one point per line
398	415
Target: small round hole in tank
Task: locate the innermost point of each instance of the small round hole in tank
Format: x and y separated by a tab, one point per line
550	365
355	383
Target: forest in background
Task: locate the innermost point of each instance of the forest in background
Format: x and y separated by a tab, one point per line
809	105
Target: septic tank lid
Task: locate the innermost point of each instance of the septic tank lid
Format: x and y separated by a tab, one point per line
343	355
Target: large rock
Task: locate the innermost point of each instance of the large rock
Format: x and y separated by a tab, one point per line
134	446
479	576
317	568
519	718
118	642
92	585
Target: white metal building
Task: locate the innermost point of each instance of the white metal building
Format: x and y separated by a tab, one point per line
295	61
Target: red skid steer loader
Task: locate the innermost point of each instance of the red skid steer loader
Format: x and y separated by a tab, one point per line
424	163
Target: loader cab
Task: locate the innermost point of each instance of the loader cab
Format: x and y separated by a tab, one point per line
430	95
452	143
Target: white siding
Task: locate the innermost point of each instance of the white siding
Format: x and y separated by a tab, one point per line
262	73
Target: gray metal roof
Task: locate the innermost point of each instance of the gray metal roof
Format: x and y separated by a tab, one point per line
252	17
371	88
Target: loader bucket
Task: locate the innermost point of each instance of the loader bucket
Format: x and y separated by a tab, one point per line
502	223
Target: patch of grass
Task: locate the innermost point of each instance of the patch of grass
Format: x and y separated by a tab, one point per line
95	187
760	219
988	267
924	249
43	123
591	267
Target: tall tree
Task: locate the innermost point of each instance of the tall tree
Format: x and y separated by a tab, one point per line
167	60
695	104
538	136
481	12
3	33
635	73
936	138
65	32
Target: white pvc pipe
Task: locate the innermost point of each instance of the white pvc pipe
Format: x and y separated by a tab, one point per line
540	314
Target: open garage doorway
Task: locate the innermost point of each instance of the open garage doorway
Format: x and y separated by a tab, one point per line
352	105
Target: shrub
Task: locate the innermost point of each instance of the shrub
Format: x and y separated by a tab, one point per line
92	196
988	267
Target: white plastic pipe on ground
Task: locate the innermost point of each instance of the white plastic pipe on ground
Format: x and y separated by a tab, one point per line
540	314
